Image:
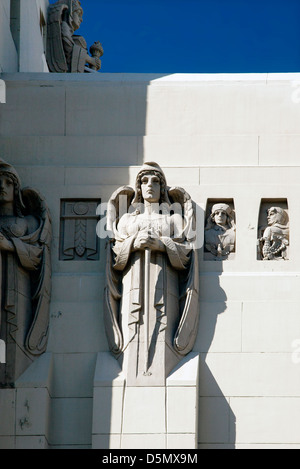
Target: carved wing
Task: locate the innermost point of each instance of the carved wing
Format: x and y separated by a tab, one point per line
185	336
186	333
37	337
118	203
55	52
179	195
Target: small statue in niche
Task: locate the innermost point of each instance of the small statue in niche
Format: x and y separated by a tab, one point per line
151	297
275	239
25	274
67	52
220	231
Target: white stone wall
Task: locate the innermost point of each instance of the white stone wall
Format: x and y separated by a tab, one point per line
28	55
32	54
8	53
219	136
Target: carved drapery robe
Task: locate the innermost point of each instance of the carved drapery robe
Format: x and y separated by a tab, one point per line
25	294
173	301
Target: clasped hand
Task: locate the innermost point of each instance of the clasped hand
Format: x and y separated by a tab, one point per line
146	240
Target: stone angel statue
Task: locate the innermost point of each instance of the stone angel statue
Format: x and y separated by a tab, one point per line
67	52
151	295
25	274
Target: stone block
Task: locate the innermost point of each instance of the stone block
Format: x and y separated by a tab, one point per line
143	441
107	410
8	412
39	374
71	421
239	286
106	441
182	441
73	374
7	442
216	420
96	175
74	316
204	150
105	109
61	150
219	327
206	109
269	420
279	150
278	325
249	374
181	409
31	442
32	411
144	410
32	105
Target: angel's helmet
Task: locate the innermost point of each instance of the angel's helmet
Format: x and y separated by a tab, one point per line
152	168
10	172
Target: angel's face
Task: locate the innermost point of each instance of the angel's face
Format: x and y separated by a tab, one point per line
77	18
6	189
150	186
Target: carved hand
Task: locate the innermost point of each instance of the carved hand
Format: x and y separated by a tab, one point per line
5	244
144	241
95	62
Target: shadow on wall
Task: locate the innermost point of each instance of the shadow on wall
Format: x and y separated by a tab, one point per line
216	421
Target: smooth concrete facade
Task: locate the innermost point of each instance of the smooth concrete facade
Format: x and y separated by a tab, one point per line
220	137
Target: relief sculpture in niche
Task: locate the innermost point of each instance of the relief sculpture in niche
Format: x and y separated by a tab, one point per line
219	232
151	296
25	270
78	240
67	52
274	242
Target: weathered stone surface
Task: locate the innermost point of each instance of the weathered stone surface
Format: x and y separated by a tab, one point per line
152	254
25	266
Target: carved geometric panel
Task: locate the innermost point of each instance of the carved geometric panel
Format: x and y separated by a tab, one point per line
78	238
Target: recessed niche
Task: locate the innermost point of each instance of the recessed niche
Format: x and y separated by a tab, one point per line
219	230
273	230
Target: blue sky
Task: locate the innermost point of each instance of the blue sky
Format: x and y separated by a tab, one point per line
194	36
